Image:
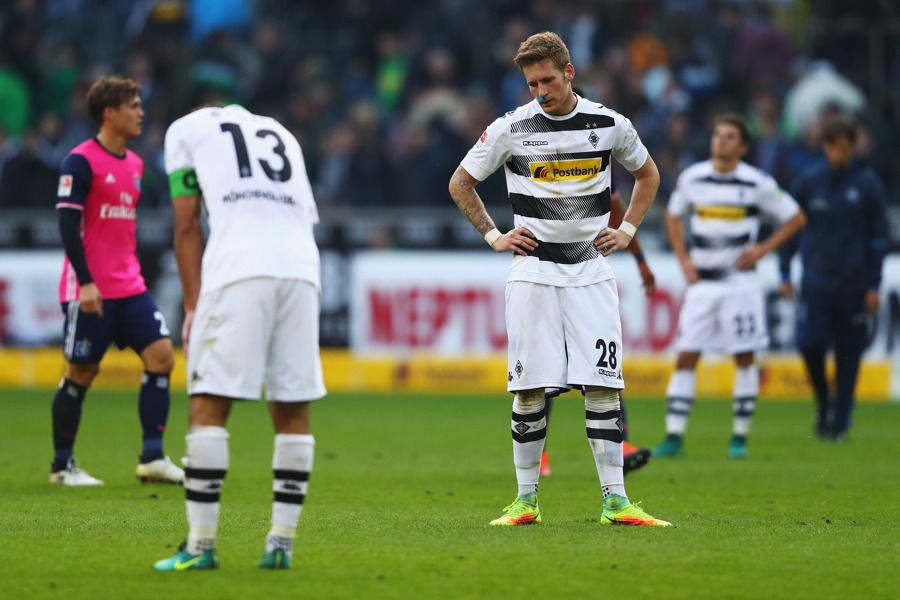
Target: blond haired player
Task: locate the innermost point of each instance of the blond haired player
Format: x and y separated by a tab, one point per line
562	309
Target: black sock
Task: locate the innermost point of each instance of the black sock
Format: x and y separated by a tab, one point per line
66	418
153	407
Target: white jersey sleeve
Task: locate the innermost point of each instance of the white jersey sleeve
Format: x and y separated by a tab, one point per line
177	153
490	151
775	201
629	150
679	204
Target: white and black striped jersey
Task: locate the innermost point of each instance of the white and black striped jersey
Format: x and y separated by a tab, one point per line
725	210
558	177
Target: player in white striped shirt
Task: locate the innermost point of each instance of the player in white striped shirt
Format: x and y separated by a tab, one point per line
562	309
723	307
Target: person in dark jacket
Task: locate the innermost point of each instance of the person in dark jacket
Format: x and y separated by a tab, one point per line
842	250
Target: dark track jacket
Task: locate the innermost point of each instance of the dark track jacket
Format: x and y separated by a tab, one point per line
846	236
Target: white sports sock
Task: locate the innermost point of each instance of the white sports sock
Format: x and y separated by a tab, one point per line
680	393
603	421
292	463
205	465
746	390
529	432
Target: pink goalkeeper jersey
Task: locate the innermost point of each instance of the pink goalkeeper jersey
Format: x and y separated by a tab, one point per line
106	188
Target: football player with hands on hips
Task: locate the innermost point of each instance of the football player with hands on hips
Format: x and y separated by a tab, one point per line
102	292
251	302
562	309
723	309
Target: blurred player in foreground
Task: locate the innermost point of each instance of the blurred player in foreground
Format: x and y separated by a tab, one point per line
253	322
102	291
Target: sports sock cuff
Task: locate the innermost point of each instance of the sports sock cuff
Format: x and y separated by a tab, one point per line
159	380
75	390
286	531
210	431
682	384
527	402
602	400
206	447
305	439
293	456
746	382
202	532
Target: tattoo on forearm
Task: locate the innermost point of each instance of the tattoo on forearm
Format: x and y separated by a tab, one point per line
468	202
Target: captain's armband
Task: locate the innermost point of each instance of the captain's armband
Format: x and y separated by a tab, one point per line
183	182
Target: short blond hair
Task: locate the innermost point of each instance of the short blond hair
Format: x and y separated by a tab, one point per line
541	47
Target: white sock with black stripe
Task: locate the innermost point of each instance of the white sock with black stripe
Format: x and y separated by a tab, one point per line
529	432
603	421
746	390
205	467
680	393
292	463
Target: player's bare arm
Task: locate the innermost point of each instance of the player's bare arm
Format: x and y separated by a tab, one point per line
462	190
188	239
616	214
749	257
675	231
646	182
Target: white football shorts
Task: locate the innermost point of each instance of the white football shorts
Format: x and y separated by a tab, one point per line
722	316
255	333
563	336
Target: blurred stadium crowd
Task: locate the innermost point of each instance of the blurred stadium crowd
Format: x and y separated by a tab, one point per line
386	96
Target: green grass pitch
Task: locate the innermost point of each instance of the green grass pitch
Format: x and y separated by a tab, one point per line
403	487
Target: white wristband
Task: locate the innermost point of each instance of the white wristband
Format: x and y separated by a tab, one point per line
492	236
628	228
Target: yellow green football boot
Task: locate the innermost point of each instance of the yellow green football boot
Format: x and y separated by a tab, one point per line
523	511
618	510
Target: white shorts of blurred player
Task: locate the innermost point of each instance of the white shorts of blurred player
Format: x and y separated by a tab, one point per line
723	316
563	336
255	333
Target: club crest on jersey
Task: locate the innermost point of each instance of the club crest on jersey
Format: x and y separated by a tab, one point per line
566	170
593	139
